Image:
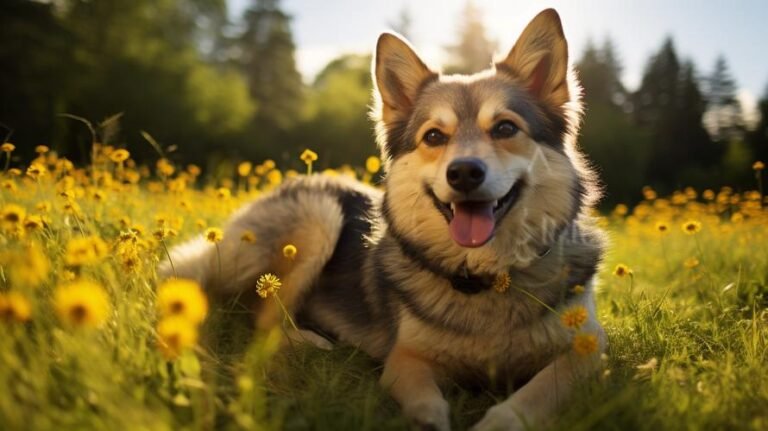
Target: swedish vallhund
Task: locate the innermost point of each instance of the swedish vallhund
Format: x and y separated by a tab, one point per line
459	269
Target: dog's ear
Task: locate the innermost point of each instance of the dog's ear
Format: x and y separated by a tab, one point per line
399	74
540	59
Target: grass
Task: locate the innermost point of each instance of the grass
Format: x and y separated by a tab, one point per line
687	329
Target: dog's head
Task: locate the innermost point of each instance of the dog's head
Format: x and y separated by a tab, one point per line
481	169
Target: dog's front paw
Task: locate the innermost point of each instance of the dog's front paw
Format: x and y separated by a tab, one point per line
500	418
429	415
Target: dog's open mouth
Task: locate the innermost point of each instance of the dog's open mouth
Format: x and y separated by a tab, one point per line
472	223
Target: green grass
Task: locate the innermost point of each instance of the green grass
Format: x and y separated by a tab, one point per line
705	327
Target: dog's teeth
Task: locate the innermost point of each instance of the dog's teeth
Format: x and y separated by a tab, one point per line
453	207
495	204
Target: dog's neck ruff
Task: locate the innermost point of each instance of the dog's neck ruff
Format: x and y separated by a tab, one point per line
462	281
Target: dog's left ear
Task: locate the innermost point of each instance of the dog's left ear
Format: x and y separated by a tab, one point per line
540	59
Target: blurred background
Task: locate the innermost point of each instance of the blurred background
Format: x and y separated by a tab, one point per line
676	92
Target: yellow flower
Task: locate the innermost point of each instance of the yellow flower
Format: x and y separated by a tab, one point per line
501	282
308	156
42	149
662	227
621	210
214	235
28	267
275	177
577	289
119	156
708	194
372	164
622	270
81	303
758	166
691	263
649	193
691	227
244	169
223	193
184	298
33	223
14	308
174	335
584	344
193	170
9	185
12	214
269	164
36	170
268	284
290	251
574	317
85	251
165	168
248	236
7	147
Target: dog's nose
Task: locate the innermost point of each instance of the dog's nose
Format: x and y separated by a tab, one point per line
466	174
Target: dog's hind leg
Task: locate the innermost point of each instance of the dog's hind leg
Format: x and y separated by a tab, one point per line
309	219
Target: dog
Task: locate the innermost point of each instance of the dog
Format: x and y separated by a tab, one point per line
459	269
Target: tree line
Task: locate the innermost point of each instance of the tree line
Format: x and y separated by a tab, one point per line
212	91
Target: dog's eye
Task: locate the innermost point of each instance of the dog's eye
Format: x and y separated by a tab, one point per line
435	137
504	129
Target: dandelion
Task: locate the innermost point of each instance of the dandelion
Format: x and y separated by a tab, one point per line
81	303
501	282
248	236
584	344
36	170
691	227
223	193
33	223
372	164
29	267
275	177
574	317
621	210
184	298
119	156
42	149
708	194
244	169
649	194
577	289
290	251
308	157
165	168
174	335
214	235
662	227
268	284
7	147
85	251
193	170
12	214
14	308
691	262
758	165
622	270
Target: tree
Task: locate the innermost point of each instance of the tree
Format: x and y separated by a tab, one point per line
600	75
723	117
670	105
474	50
758	138
404	23
268	62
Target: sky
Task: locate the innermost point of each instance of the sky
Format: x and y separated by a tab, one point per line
702	30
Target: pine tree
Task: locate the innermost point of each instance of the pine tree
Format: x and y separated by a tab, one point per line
474	50
600	75
724	116
268	62
670	105
758	138
404	23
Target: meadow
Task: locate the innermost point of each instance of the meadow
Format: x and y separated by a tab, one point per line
90	339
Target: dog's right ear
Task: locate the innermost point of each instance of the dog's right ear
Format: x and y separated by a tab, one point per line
399	74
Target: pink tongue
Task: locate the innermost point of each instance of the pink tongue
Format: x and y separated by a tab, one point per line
472	224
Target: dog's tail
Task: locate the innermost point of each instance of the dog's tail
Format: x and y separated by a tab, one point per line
253	244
